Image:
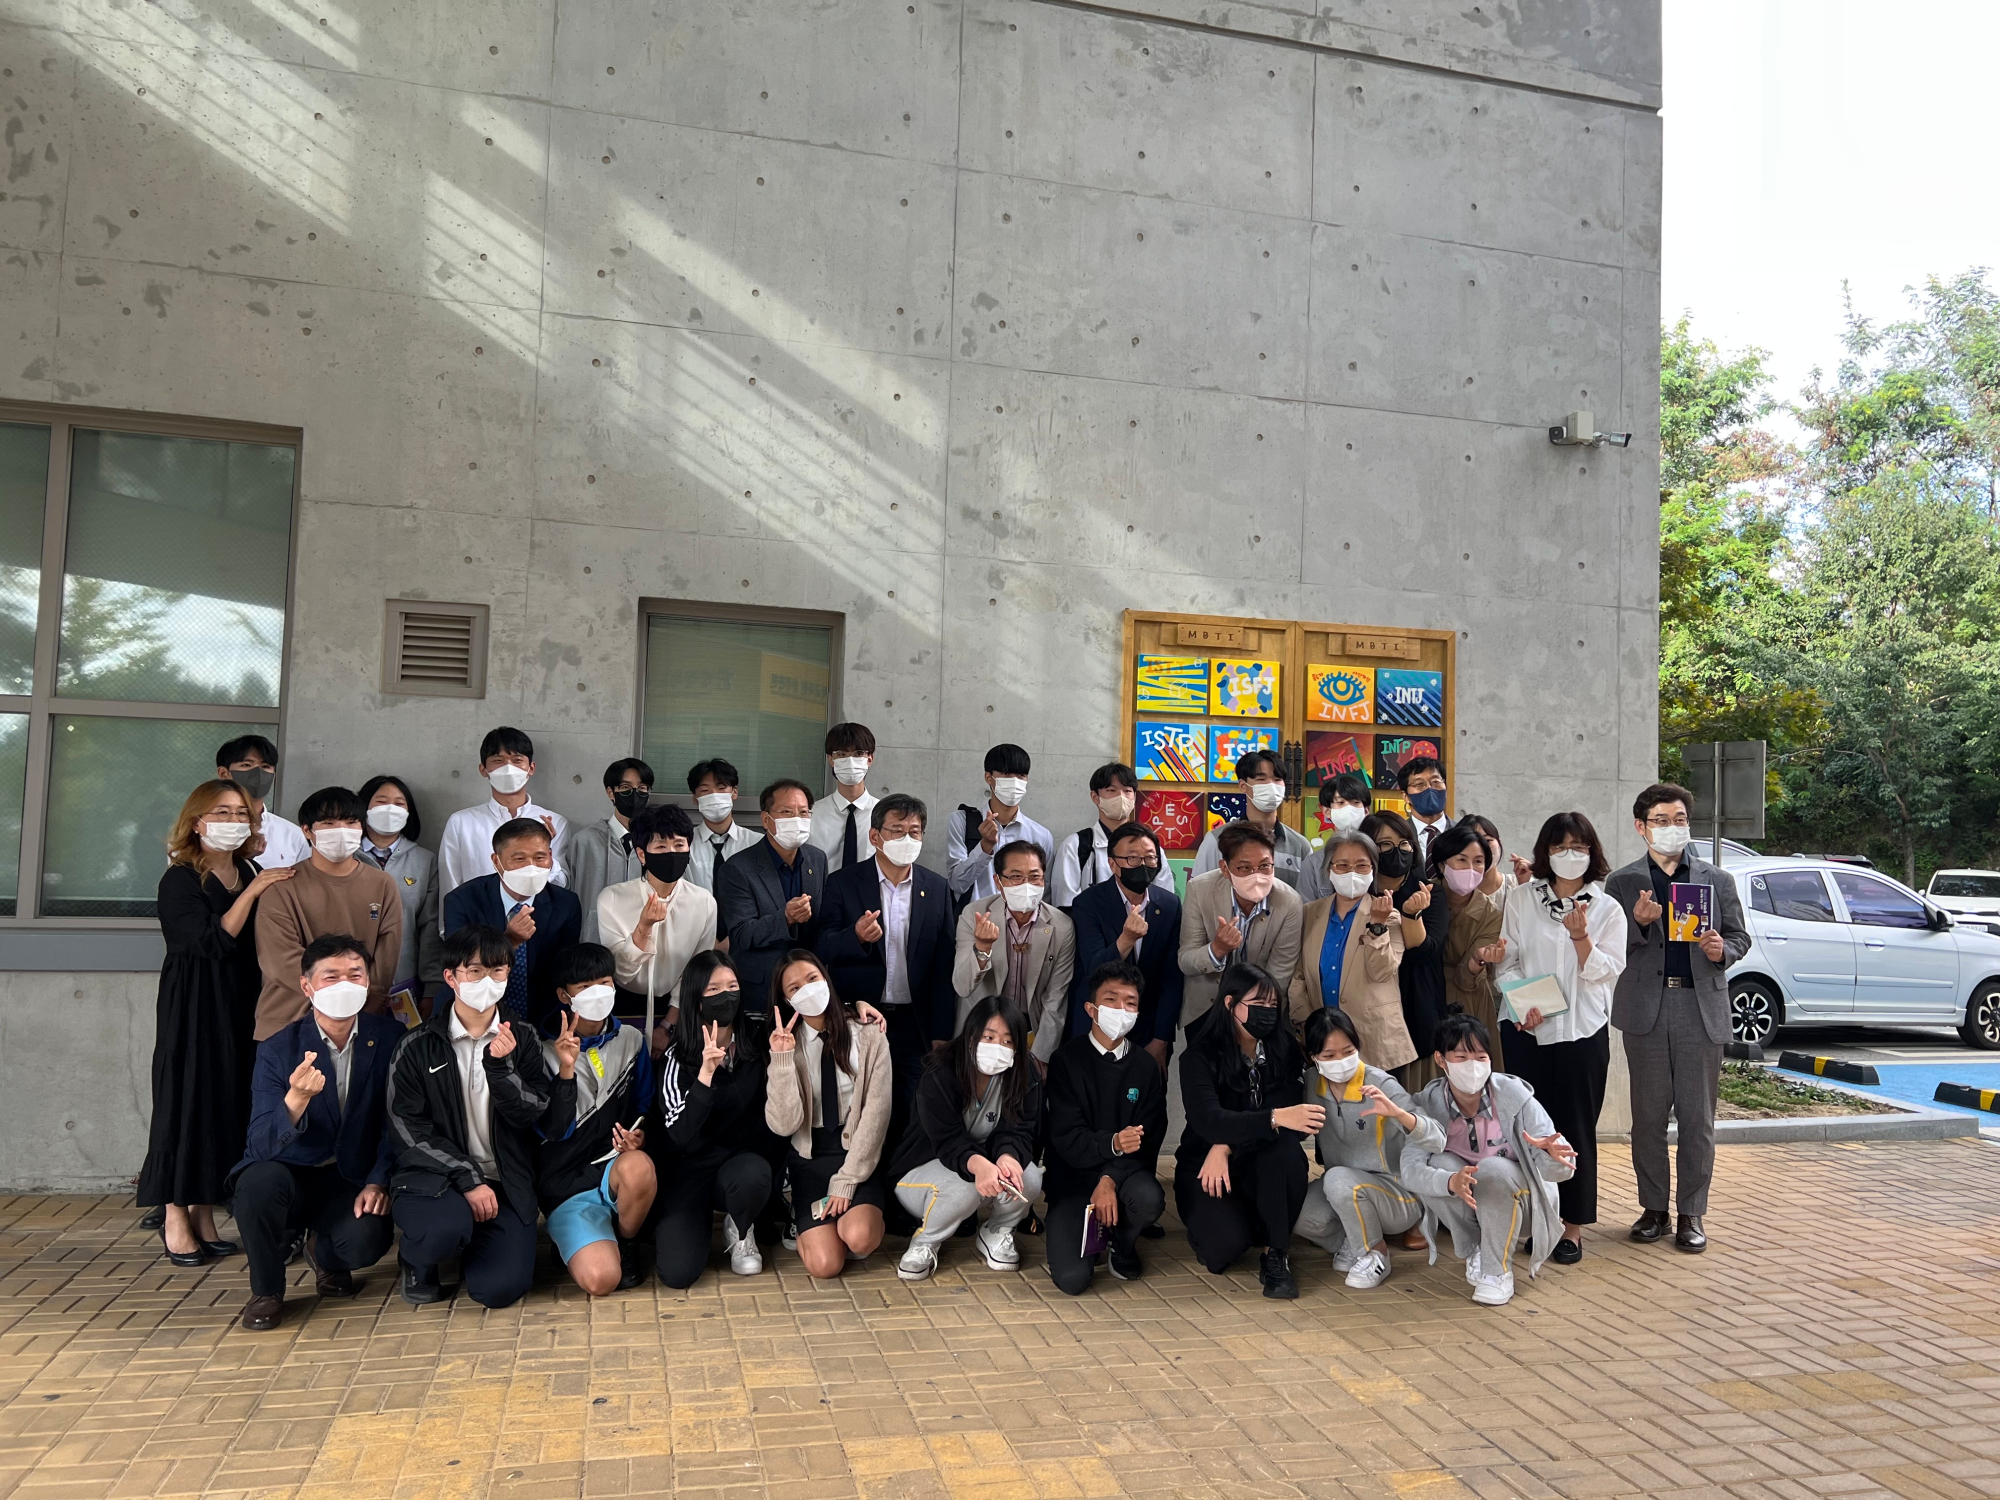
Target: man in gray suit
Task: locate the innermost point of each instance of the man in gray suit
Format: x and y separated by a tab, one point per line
768	896
1672	1005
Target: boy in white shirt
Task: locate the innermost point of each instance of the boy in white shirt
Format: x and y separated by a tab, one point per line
840	819
507	761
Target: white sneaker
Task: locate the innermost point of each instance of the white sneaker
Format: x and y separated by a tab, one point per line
1368	1272
1345	1259
998	1248
743	1257
917	1263
1472	1269
1494	1291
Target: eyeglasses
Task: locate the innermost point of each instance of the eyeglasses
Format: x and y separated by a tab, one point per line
1131	861
1675	822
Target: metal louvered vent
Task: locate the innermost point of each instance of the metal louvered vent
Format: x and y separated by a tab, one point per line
435	650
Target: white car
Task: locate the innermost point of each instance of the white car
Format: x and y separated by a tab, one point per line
1966	893
1836	944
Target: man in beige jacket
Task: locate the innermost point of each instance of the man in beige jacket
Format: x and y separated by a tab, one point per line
1240	913
1014	944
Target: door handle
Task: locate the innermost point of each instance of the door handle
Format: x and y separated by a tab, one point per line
1775	938
1867	943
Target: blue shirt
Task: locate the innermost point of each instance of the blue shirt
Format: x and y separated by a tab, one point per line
791	877
1333	955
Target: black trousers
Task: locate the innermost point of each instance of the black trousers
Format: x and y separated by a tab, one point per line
275	1200
909	1050
1141	1201
1568	1079
1267	1188
497	1257
739	1185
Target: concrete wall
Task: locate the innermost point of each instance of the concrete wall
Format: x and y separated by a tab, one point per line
977	321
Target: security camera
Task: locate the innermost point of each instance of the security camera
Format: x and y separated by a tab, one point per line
1579	430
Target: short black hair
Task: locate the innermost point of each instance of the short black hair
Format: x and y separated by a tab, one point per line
580	963
783	784
329	945
715	767
474	944
850	739
1378	823
505	740
658	820
1126	831
1458	1027
521	828
1560	826
1453	842
1117	969
1250	762
1413	765
1346	787
1113	773
1019	846
1007	760
412	830
1659	793
615	772
899	802
243	746
1235	835
330	804
1325	1019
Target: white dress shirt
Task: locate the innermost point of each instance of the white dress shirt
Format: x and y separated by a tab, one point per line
285	843
970	868
705	861
1068	879
1118	1052
466	850
829	827
470	1050
1538	944
1425	833
687	929
895	933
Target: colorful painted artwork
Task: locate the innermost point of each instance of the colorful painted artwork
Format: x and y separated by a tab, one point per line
1391	750
1174	816
1170	752
1227	807
1409	697
1228	743
1340	695
1172	685
1335	752
1243	689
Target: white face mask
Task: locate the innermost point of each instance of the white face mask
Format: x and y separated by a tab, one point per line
336	844
1114	1021
1669	840
994	1057
388	818
508	778
790	833
903	851
222	837
1022	898
1469	1076
1116	807
482	994
593	1003
812	997
526	883
1346	816
1339	1069
714	806
1253	888
340	1000
1569	863
1266	796
1009	790
850	770
1351	883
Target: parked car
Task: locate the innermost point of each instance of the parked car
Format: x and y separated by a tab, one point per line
1971	893
1834	943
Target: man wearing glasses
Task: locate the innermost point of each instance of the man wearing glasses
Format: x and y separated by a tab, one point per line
1672	1005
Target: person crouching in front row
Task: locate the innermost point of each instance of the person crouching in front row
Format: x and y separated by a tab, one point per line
318	1157
597	1183
470	1094
1484	1159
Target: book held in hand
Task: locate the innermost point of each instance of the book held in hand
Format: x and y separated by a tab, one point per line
1690	911
1544	993
1093	1234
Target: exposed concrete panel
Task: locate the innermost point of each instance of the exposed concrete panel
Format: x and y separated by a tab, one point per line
1610	40
36	83
75	1122
30	290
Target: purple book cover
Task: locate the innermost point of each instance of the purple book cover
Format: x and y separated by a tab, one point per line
1690	911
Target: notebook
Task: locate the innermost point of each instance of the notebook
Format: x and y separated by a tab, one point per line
1544	993
1093	1234
1690	910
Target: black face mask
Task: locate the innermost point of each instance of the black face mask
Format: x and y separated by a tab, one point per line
719	1009
256	783
1136	878
630	801
1394	861
667	868
1262	1022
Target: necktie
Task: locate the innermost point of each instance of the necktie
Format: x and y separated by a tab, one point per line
829	1087
716	844
517	973
381	858
848	855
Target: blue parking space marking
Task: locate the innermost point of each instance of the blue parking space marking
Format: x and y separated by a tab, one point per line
1916	1082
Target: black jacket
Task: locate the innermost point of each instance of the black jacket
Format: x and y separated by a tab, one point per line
1221	1112
937	1125
1421	974
750	912
710	1122
858	972
1092	1097
558	926
1099	915
354	1137
427	1113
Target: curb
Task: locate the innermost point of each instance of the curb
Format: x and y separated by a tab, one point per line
1972	1098
1910	1125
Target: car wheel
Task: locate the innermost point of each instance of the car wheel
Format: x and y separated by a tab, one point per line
1982	1018
1754	1011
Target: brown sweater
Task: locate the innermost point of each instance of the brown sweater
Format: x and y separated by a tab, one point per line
364	905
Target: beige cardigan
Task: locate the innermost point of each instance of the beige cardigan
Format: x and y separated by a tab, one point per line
1369	991
788	1105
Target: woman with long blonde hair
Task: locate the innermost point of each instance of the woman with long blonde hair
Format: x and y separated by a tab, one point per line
208	998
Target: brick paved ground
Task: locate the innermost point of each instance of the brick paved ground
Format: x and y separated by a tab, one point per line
1842	1337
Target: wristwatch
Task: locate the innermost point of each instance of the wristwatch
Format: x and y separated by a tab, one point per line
1375	929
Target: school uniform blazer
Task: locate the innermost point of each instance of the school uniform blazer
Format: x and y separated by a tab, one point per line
558	920
750	912
1051	968
1099	916
1272	943
788	1105
857	967
1369	991
1635	1007
356	1137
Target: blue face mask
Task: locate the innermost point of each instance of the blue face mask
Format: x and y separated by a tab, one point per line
1428	804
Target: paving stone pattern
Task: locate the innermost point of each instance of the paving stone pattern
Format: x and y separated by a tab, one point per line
1841	1337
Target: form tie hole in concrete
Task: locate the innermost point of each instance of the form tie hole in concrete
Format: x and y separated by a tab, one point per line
609	71
596	363
590	479
313	234
1141	236
1135	344
1003	322
493	51
764	94
1006	218
897	397
1010	135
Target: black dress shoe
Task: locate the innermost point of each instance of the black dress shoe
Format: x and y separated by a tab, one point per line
220	1248
1650	1225
154	1218
1688	1235
420	1284
261	1314
188	1260
1276	1275
632	1260
1153	1232
1127	1267
1566	1252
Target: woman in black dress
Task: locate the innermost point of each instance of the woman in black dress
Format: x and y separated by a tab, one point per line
1426	919
202	1052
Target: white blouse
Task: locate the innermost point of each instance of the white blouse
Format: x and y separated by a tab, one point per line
1538	943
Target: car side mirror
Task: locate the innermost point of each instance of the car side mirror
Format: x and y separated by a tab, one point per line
1940	921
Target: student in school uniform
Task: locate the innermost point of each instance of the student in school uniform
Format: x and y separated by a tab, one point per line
655	925
975	835
769	897
518	896
1019	948
251	761
392	830
599	854
1421	780
1261	775
718	837
1107	1119
1084	858
1133	919
507	762
840	818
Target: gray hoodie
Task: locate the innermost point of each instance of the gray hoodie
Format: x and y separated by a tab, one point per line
1428	1167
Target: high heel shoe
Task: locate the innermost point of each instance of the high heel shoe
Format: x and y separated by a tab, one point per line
175	1257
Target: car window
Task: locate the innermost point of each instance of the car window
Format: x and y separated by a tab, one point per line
1876	903
1798	894
1981	887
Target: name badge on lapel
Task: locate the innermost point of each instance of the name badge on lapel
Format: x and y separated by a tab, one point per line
1131	1096
409	880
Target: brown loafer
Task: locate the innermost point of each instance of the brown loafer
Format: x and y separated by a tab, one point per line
261	1314
334	1283
1413	1239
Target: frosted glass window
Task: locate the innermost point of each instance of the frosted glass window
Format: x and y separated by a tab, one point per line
24	498
13	786
753	693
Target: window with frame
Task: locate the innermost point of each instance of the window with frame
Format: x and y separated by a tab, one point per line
145	567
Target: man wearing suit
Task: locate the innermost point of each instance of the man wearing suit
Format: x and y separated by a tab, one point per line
1240	913
886	935
1015	945
770	895
1133	919
540	919
317	1156
1672	1005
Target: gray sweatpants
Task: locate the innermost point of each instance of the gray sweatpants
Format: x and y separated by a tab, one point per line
941	1199
1674	1066
1351	1211
1505	1214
